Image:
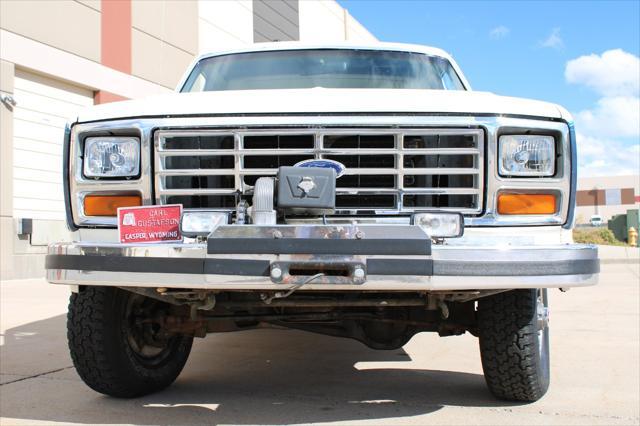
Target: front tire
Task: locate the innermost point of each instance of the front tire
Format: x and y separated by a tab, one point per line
514	344
115	347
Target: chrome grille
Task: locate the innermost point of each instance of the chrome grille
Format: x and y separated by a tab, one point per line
388	170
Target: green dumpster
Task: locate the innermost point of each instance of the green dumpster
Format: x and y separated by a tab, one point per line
618	225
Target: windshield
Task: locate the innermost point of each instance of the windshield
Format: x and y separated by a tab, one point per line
328	68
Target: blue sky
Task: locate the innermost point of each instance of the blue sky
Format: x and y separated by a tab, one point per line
547	50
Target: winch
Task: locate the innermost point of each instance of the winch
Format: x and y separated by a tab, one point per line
300	190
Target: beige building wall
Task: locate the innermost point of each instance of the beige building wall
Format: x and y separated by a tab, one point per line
355	31
164	39
6	177
20	256
327	21
584	213
6	148
224	24
164	32
68	25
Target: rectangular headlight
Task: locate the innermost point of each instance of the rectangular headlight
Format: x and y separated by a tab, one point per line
111	156
526	155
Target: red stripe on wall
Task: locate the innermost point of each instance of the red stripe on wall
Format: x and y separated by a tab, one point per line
104	97
116	34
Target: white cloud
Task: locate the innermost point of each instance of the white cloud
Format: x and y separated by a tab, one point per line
609	132
553	41
614	73
499	32
611	117
606	157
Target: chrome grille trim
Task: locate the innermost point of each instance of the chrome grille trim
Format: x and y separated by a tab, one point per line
493	126
399	171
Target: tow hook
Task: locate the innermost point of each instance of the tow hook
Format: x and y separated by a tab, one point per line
206	304
444	309
437	303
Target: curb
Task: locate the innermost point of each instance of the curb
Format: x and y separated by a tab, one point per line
618	255
620	261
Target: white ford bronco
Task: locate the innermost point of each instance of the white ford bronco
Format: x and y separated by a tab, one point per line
356	191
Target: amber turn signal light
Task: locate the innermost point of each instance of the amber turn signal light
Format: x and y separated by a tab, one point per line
107	205
526	204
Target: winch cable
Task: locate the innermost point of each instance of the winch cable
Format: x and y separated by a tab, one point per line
281	295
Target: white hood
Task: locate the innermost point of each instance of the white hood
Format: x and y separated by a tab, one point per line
320	100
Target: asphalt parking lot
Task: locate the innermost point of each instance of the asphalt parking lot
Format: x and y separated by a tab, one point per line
283	377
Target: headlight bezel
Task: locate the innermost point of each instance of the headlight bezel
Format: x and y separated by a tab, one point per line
118	140
80	185
504	172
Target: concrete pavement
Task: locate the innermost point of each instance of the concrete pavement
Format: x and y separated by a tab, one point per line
282	377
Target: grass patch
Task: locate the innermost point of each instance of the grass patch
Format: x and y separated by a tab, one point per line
602	236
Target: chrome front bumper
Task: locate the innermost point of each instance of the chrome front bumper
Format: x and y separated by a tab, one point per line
460	266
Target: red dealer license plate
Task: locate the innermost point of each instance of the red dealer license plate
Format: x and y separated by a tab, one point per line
149	224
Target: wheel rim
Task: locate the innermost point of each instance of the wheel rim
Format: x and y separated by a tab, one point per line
542	310
542	313
146	338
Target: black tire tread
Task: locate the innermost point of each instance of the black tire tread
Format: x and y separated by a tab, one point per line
98	351
507	326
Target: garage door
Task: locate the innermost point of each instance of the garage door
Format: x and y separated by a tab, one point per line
43	106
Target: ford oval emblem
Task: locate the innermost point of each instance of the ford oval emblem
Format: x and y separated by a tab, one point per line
324	164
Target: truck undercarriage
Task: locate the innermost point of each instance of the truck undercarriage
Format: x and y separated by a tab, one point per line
379	320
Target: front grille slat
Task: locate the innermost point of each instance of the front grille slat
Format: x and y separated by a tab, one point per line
439	171
388	170
194	152
195	172
194	191
437	191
